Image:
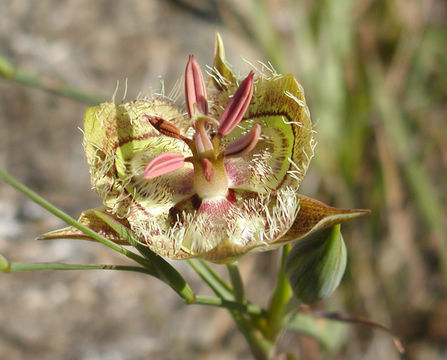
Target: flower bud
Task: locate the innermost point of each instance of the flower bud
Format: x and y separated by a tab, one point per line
316	265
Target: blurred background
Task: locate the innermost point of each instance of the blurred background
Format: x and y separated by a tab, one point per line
375	77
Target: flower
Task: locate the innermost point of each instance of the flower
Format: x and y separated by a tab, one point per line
214	181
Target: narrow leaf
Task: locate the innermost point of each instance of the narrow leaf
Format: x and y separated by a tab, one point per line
329	334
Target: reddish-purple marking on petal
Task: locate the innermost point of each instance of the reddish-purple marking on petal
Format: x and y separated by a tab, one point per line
216	208
163	164
237	171
208	169
195	88
235	110
245	144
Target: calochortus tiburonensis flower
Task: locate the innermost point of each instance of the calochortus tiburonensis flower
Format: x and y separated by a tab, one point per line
213	180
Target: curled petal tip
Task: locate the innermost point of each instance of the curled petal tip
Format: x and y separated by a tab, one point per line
163	164
195	88
235	110
245	144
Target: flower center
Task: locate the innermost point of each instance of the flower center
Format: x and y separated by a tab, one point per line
210	177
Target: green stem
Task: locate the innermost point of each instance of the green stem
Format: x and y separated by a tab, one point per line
261	348
214	281
165	271
9	72
249	308
236	281
12	267
184	290
69	220
281	296
168	273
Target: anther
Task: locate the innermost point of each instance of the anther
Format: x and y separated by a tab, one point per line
245	144
235	110
195	89
163	164
166	128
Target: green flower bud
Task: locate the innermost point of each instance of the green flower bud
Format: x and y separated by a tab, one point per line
316	265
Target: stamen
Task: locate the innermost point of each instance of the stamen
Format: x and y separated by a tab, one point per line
245	144
195	89
163	164
163	126
166	128
208	169
235	110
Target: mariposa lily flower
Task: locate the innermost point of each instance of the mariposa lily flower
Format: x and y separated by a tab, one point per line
213	182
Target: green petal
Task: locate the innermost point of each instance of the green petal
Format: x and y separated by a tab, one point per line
283	153
313	215
90	219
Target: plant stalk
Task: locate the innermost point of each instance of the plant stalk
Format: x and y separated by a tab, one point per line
281	296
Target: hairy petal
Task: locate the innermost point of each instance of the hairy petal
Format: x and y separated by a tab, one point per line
285	148
120	141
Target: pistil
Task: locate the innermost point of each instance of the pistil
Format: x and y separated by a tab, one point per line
210	178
